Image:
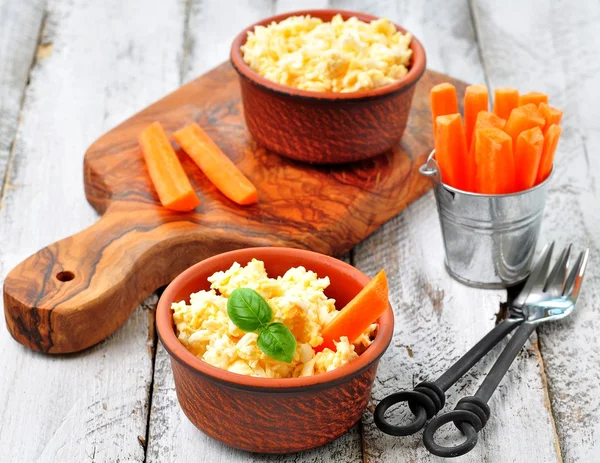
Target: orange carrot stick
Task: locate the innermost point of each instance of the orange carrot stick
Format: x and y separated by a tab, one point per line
505	100
495	165
358	314
523	118
216	165
451	150
533	97
550	142
528	153
551	114
443	101
167	174
476	100
485	120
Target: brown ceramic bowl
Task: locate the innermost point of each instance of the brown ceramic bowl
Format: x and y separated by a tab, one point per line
264	414
325	128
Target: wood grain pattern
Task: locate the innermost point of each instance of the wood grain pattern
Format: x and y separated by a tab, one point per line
138	246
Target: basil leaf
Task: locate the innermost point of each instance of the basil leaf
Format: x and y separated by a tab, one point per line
277	341
248	310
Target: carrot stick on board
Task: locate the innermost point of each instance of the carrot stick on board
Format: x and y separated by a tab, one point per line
167	174
451	151
523	118
528	153
495	162
550	142
216	165
476	100
443	101
505	100
533	97
551	114
363	310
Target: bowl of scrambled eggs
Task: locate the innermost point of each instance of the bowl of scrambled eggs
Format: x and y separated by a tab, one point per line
234	392
327	86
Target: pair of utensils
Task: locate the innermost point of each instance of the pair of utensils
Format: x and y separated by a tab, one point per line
547	295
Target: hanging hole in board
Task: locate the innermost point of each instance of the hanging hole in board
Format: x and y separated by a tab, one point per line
65	276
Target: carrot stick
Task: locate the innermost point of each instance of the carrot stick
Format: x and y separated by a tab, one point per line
451	150
495	162
216	165
528	153
505	100
167	174
476	100
550	142
358	314
551	114
443	101
533	97
485	120
523	118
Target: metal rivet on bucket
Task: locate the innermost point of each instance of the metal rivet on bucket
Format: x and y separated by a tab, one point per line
489	239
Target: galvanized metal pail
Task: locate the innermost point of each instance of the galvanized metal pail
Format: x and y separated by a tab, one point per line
489	239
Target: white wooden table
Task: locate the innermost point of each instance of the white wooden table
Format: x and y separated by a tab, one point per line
71	70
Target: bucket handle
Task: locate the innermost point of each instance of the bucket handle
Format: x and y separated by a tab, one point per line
431	169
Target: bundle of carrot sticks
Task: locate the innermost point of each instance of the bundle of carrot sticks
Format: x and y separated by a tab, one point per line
170	180
505	151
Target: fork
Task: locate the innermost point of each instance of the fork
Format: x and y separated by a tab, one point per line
552	297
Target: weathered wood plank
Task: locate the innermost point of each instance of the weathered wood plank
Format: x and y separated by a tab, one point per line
552	47
438	319
20	29
102	61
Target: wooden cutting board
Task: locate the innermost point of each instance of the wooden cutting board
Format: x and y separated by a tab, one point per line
77	291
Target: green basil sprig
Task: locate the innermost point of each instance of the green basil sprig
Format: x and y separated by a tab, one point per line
251	313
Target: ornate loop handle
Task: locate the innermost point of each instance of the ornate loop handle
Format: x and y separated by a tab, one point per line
472	413
470	416
425	401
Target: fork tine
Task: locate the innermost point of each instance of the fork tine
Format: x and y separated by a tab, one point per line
537	277
573	284
556	280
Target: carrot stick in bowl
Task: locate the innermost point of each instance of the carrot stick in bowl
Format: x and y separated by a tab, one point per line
551	114
505	100
495	162
363	310
528	153
451	151
219	169
443	101
170	181
476	100
523	118
550	143
533	97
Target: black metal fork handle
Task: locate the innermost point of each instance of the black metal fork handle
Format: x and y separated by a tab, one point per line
472	413
428	398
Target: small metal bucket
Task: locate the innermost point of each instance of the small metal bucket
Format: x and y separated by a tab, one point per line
489	239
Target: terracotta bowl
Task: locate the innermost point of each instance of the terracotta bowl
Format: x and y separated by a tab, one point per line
263	414
325	128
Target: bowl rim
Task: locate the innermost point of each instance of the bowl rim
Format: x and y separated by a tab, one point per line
178	352
414	73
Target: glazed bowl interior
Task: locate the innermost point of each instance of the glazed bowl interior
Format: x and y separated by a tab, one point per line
346	282
415	69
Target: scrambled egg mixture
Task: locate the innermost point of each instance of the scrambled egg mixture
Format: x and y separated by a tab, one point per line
297	300
337	56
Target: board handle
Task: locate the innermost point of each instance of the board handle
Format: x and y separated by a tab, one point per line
77	291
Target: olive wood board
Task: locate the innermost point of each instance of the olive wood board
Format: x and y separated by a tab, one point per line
77	291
